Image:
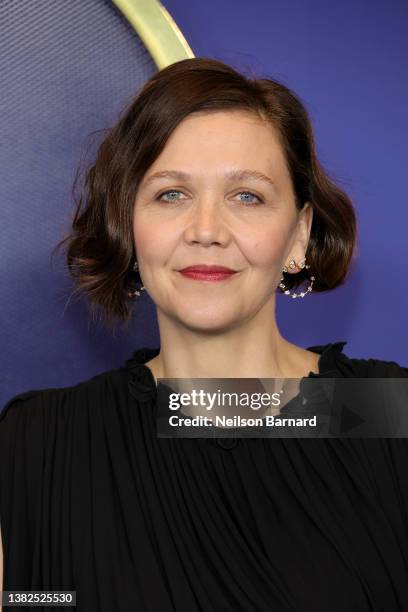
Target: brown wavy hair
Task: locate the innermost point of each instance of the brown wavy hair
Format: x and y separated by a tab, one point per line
100	246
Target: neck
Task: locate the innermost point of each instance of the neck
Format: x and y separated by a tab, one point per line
258	351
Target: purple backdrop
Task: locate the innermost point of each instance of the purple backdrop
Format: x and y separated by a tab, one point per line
347	61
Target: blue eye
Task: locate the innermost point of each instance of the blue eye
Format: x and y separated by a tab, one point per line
252	195
169	191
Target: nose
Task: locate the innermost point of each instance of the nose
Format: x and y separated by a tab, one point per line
206	224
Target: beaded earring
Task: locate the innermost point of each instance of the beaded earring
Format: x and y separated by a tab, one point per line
292	264
136	293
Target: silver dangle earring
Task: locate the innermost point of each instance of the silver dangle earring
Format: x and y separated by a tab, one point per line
292	264
136	293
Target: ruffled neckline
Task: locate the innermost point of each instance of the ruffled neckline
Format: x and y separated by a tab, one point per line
142	384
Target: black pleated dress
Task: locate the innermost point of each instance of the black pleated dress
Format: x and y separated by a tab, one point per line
92	500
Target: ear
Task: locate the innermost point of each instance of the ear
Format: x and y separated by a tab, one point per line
303	229
305	225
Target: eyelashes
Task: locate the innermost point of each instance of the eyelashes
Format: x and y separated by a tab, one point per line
245	202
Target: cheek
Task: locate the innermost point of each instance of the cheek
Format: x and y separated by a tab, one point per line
142	236
267	249
152	241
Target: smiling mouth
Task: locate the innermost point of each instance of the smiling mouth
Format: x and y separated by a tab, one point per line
207	276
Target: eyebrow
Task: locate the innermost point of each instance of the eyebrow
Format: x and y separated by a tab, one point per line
240	175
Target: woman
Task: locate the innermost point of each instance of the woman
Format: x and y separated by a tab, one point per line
205	169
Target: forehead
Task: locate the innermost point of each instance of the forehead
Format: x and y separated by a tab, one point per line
222	138
224	125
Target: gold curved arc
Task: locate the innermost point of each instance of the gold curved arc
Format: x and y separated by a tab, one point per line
159	32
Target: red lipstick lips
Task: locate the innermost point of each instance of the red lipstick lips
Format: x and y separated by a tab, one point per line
207	272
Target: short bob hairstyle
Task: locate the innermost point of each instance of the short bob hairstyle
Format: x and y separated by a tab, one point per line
100	246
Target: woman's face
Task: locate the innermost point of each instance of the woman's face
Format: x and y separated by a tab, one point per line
211	215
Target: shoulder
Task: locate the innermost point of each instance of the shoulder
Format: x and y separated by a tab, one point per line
26	398
19	412
21	441
40	429
47	438
376	368
34	405
335	361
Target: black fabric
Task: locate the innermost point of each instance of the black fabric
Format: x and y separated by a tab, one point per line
91	500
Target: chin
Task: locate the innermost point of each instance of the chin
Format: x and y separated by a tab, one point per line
206	322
